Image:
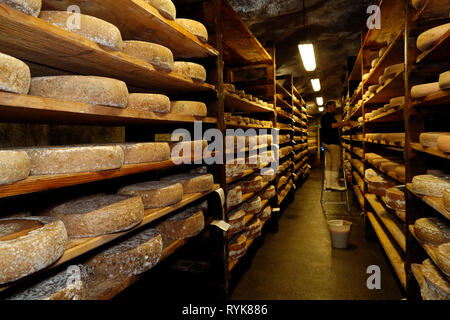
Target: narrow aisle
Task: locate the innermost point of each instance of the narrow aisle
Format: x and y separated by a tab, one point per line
297	262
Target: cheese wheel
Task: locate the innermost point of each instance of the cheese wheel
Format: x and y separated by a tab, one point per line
397	101
155	194
236	220
29	244
237	247
369	173
190	70
196	148
234	196
400	172
14	166
133	256
265	214
427	39
153	53
98	214
391	71
443	142
395	199
268	193
378	185
370	156
145	152
149	102
64	160
443	258
444	80
394	137
68	284
378	162
31	7
193	183
268	174
234	169
85	89
432	230
446	197
252	206
189	108
194	27
430	185
374	88
15	75
381	81
388	166
251	184
165	7
434	286
186	224
91	28
253	229
423	90
382	52
374	62
429	139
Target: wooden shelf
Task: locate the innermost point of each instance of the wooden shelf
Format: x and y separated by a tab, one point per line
247	196
283	104
246	174
393	115
237	104
394	228
283	115
441	98
434	151
431	14
282	90
439	52
394	87
395	145
29	38
78	247
235	125
394	257
400	214
434	202
389	174
25	108
359	195
49	182
138	20
357	95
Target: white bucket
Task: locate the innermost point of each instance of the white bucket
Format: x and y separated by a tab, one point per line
340	232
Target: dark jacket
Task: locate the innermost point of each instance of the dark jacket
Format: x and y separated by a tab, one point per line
328	134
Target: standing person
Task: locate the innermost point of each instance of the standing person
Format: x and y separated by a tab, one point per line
329	133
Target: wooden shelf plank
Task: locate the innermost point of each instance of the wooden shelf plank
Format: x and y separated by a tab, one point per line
21	108
434	202
434	151
359	195
138	20
355	75
282	90
49	182
439	52
29	38
394	87
400	214
441	98
78	247
392	253
237	104
393	115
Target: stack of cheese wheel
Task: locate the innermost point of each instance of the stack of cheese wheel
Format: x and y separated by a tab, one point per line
131	257
92	28
237	247
99	214
183	225
236	220
155	194
29	244
192	183
234	195
431	185
395	199
68	284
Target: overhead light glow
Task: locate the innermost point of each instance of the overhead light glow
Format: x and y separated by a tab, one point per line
316	84
321	109
308	57
319	101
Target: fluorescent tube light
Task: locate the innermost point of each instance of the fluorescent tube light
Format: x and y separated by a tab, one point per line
316	84
319	101
308	57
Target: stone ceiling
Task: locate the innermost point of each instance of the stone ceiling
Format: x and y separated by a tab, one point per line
333	26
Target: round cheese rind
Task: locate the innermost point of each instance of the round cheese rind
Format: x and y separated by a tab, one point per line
443	258
153	53
253	229
91	28
68	284
85	89
430	185
32	7
443	142
193	183
149	102
15	75
427	39
432	230
194	27
165	7
252	206
184	225
268	194
64	160
434	286
378	185
446	197
444	80
400	172
190	108
429	139
14	166
237	247
251	184
395	199
236	220
155	194
265	214
99	214
423	90
145	152
33	251
190	70
234	196
133	256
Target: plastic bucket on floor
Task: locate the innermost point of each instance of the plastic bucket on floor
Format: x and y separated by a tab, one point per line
340	232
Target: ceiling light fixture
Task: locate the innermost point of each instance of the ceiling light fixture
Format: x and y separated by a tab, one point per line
319	101
321	109
308	57
316	84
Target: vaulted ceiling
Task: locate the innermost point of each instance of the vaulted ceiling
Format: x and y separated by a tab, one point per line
333	26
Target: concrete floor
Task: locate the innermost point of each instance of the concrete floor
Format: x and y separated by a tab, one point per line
298	263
